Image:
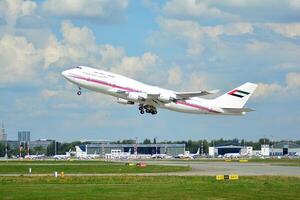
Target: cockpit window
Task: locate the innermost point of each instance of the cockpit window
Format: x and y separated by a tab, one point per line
79	67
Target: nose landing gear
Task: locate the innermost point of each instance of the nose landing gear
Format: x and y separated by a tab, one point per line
79	91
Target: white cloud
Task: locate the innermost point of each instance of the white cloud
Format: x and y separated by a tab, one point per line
295	4
19	60
22	61
193	33
278	51
174	77
193	9
264	90
195	82
135	66
293	80
291	87
290	30
11	10
101	10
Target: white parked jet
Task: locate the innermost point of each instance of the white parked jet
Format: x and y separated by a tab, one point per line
189	155
149	98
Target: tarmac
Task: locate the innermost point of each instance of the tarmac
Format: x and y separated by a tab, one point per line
245	169
206	169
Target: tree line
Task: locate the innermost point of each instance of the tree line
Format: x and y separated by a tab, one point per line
190	145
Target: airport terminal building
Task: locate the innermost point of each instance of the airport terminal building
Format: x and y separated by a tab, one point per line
106	148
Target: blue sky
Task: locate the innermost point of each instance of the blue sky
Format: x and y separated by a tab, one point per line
177	44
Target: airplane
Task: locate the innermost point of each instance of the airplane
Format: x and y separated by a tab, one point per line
149	98
232	155
63	156
34	157
161	156
189	155
83	154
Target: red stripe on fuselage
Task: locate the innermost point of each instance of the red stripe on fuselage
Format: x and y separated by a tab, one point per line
197	106
133	90
105	83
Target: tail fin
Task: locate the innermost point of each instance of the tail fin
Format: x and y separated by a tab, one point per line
237	97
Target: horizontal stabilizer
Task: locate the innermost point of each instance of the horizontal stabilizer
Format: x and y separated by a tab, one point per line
186	95
237	110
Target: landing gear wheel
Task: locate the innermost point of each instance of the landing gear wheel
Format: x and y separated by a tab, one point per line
79	93
142	111
154	112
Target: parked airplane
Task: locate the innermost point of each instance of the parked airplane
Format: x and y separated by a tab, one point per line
35	157
189	155
162	156
232	155
63	156
149	98
84	155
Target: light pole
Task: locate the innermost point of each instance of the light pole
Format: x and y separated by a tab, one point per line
55	147
155	147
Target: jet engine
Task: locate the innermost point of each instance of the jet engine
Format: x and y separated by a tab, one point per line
137	96
124	101
166	98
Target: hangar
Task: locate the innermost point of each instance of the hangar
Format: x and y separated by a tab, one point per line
285	148
222	150
105	148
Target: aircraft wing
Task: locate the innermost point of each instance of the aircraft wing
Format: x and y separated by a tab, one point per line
186	95
119	91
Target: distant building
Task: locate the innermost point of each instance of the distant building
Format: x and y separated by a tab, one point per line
24	136
104	148
3	136
285	148
222	150
265	150
44	143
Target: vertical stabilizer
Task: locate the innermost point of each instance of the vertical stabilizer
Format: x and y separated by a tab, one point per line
237	97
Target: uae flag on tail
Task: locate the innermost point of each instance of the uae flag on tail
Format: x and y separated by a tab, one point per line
238	93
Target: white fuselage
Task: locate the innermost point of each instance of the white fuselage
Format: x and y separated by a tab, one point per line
115	85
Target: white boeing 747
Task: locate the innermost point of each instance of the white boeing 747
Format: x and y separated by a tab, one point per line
149	98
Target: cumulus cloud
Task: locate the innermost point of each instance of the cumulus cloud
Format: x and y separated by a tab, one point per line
100	10
293	80
134	66
194	9
264	90
11	10
19	60
193	33
278	51
291	86
22	60
174	77
290	30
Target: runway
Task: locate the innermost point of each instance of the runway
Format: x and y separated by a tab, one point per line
245	169
199	168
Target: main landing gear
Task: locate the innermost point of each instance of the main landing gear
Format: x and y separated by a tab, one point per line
79	91
148	109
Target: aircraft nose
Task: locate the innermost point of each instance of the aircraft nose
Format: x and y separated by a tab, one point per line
65	73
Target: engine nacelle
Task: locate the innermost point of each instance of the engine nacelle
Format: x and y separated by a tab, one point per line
124	101
137	96
165	98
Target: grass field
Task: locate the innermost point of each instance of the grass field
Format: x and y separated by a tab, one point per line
162	187
87	168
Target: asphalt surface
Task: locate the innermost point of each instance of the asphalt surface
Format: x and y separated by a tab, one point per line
246	169
206	169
